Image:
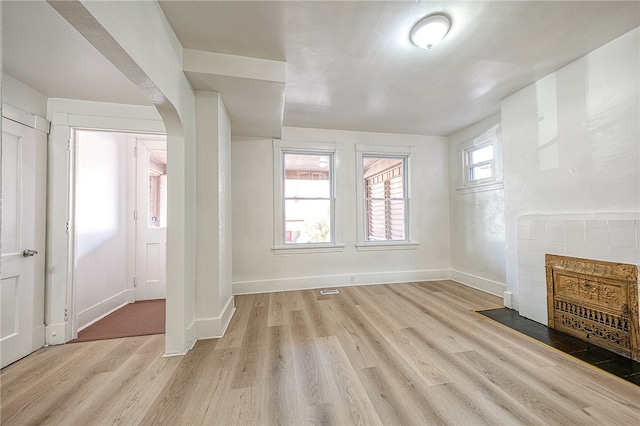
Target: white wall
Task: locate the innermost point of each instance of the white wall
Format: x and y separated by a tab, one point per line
104	250
214	302
23	97
257	269
477	222
225	213
570	141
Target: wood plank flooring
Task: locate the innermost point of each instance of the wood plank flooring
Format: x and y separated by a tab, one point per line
403	354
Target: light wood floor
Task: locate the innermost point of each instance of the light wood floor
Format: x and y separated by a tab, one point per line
390	354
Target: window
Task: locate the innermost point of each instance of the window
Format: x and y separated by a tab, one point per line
157	188
383	190
304	198
479	162
384	198
308	198
481	168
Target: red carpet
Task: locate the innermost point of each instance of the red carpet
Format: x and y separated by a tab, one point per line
135	319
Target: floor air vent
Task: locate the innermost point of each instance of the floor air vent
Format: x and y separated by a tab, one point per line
325	292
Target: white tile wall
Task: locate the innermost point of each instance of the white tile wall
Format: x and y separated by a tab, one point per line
613	237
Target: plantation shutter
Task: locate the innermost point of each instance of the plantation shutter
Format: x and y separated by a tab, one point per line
395	220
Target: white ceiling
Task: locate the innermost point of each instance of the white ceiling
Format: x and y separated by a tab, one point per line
349	64
45	52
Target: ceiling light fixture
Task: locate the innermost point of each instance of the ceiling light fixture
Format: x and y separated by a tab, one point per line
429	31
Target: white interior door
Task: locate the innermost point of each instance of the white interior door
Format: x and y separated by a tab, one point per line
23	238
151	222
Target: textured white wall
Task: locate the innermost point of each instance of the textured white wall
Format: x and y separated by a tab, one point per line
477	222
225	212
571	141
256	268
214	303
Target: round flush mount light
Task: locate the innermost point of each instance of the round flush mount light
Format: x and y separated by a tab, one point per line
429	31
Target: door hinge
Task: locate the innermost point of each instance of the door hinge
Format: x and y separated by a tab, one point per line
66	314
135	151
135	215
69	145
135	282
68	227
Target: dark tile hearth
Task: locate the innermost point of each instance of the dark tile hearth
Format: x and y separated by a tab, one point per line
611	362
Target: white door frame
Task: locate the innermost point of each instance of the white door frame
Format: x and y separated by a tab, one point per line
105	307
143	233
65	116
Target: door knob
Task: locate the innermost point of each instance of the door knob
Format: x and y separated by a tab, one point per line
29	252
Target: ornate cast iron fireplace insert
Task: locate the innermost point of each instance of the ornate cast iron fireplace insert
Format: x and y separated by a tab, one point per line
595	301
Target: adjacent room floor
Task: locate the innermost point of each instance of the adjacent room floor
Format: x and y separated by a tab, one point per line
135	319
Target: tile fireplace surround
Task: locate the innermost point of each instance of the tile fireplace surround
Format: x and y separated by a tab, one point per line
613	237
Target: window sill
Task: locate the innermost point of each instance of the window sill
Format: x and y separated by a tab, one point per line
308	249
479	188
379	246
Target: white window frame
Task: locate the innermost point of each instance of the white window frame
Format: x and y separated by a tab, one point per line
281	147
408	153
489	138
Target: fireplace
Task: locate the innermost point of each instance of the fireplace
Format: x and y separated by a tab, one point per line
613	237
594	300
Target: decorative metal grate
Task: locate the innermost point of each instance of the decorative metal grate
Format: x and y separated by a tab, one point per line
595	301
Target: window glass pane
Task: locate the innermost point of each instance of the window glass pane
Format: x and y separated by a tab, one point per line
385	220
377	166
307	221
307	176
305	188
396	222
384	191
481	154
376	226
481	172
157	189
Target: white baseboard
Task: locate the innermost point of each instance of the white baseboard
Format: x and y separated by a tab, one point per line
103	308
344	280
212	328
191	335
209	328
479	283
55	334
508	299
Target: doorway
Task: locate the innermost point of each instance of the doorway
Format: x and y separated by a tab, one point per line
110	195
24	153
151	225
